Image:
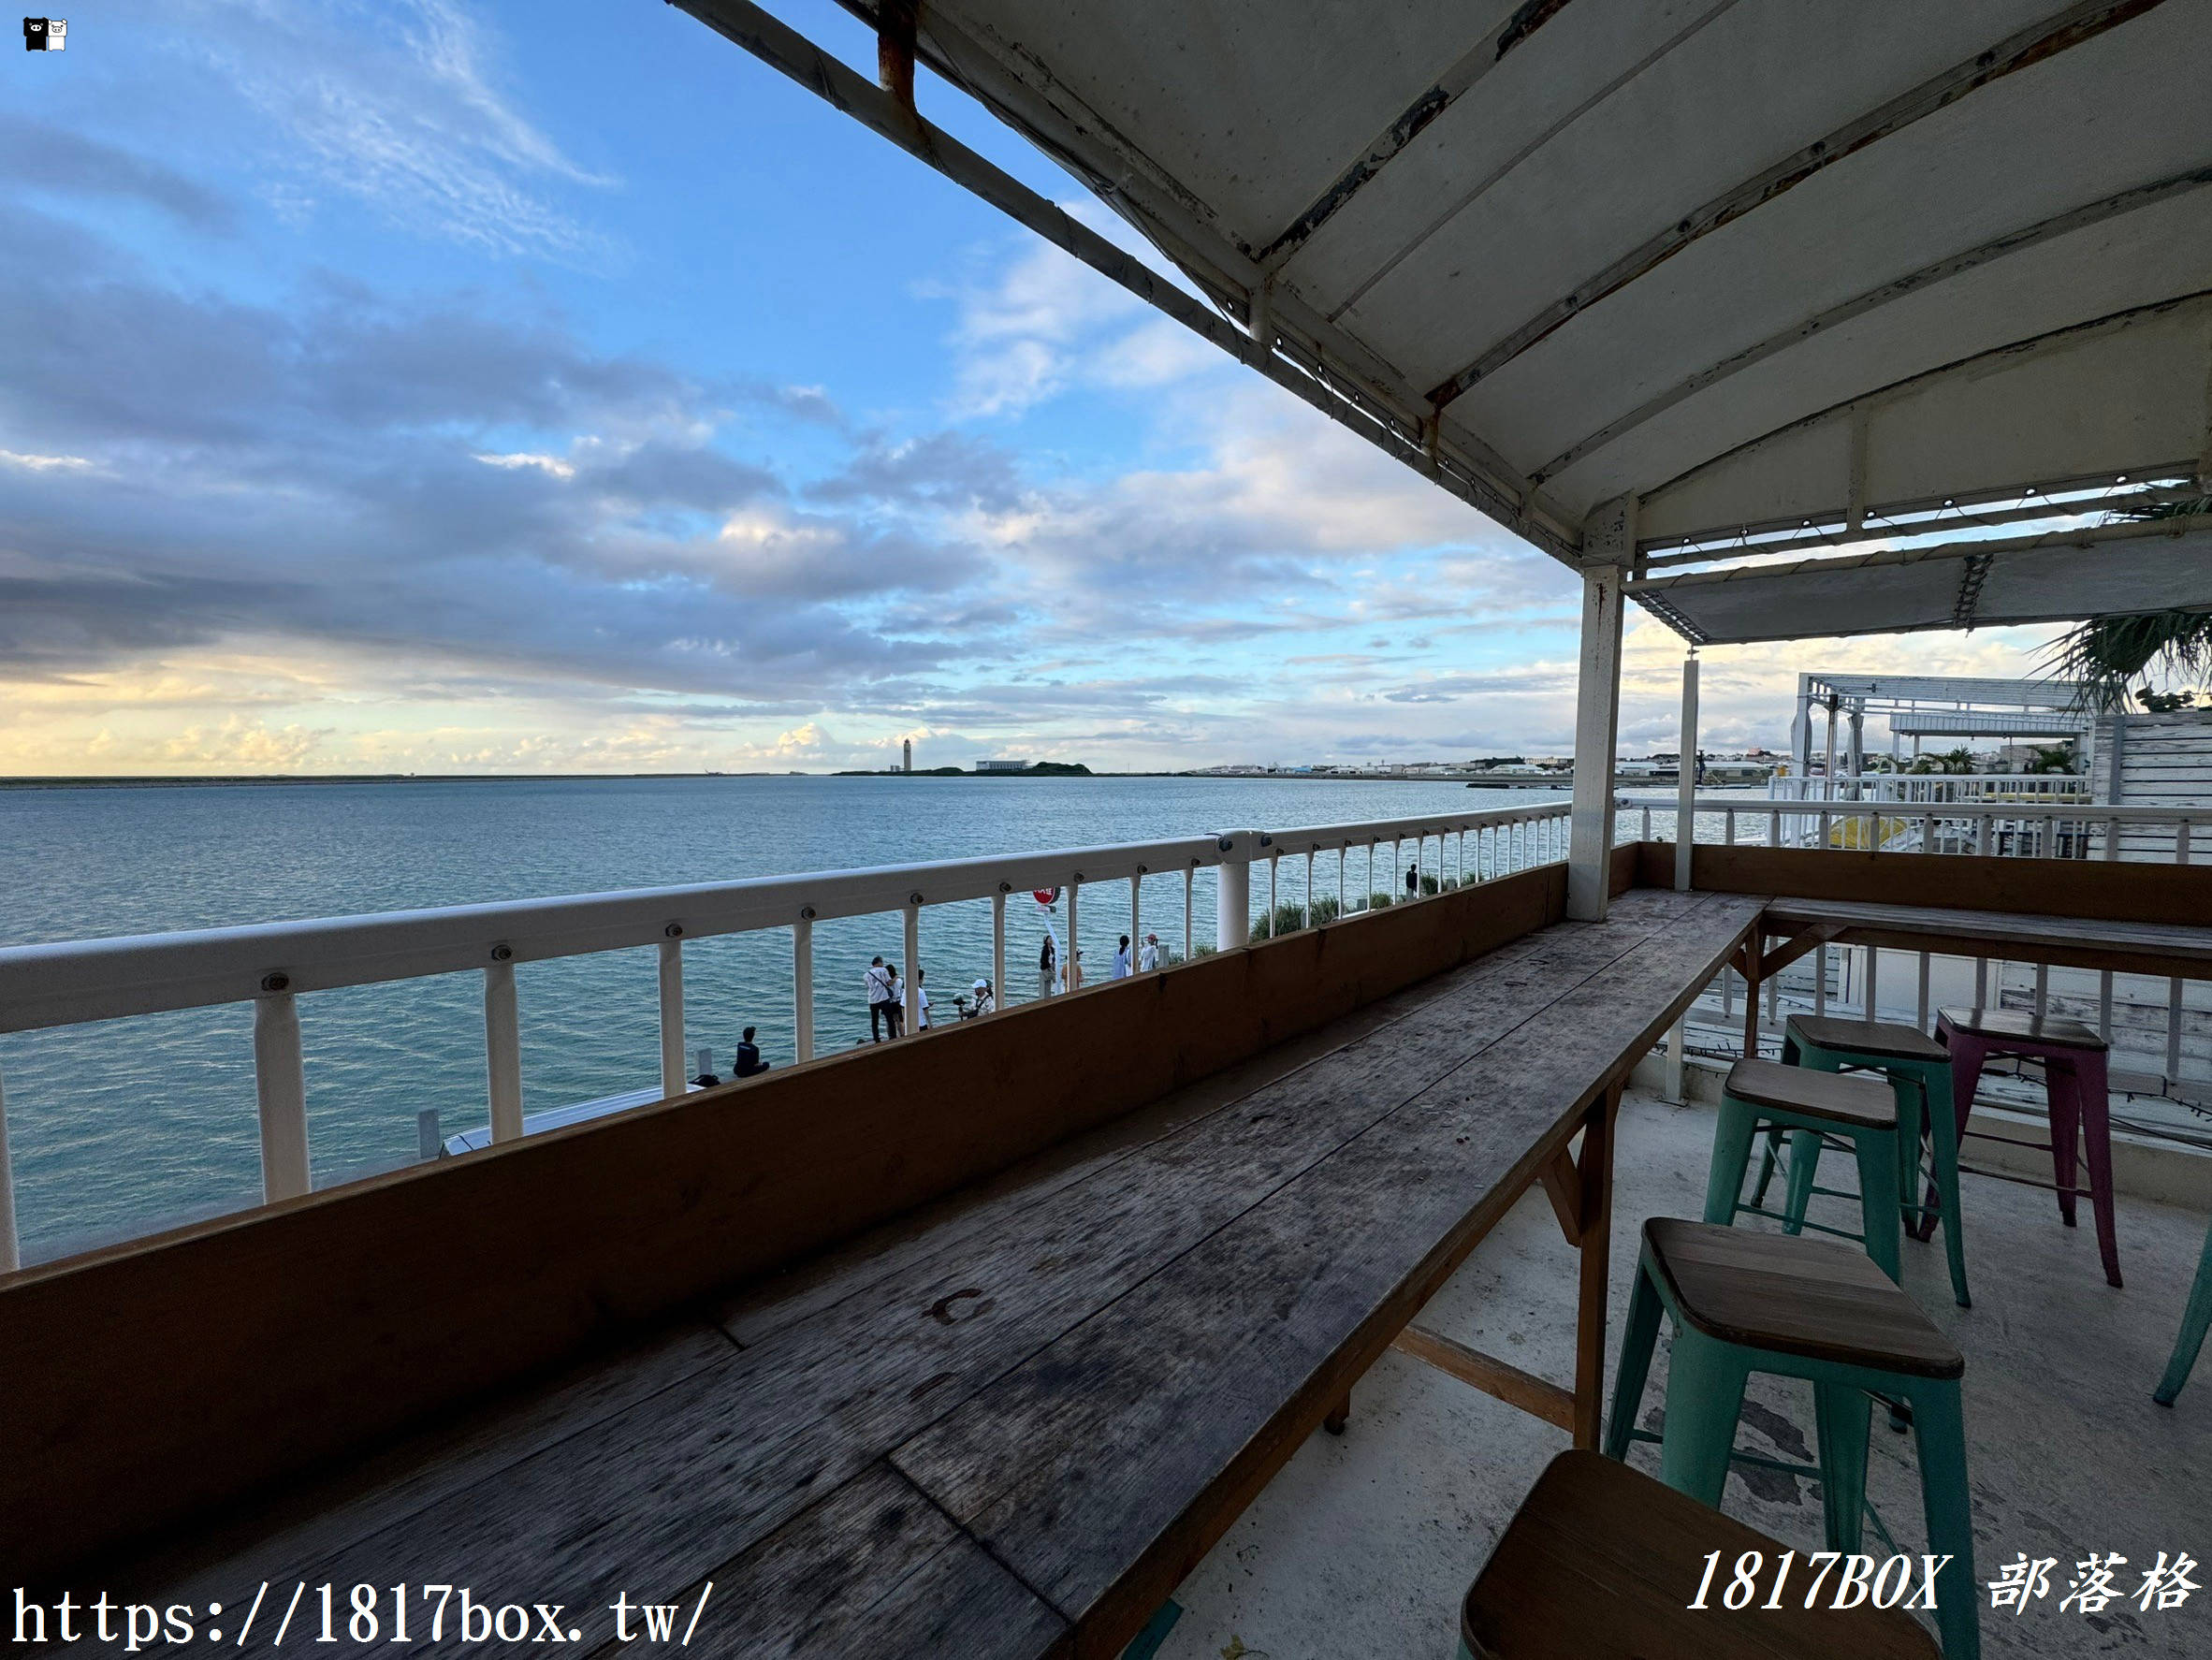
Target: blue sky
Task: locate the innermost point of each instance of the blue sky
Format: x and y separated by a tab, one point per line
438	385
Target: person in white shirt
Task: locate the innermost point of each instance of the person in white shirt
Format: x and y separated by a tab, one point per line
882	1002
982	1002
920	1000
1149	958
1121	959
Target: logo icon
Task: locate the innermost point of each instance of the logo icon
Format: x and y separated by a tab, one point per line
45	34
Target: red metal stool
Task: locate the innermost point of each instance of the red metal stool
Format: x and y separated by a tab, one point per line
2074	1085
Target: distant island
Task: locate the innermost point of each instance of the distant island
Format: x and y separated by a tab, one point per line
1030	769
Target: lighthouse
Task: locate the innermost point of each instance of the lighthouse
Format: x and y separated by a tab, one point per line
908	748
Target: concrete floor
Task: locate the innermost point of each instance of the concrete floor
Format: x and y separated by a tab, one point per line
1363	1545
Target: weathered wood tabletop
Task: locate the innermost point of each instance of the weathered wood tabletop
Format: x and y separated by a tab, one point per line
1011	1428
2174	950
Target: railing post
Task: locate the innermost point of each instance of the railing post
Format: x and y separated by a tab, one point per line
1685	793
11	1256
914	963
279	1086
998	947
673	1079
802	983
503	1047
1072	963
1136	916
1233	903
1189	898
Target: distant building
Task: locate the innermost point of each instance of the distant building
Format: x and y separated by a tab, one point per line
1002	766
908	748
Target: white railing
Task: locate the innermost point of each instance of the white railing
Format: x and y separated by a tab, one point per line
2161	1044
1933	787
2038	829
270	964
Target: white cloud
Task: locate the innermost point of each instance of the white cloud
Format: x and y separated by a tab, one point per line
9	458
400	108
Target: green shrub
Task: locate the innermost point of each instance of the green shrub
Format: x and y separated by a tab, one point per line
1327	909
1379	901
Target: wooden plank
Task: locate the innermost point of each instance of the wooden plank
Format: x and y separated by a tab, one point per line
2098	890
1596	1166
876	1569
2165	949
1103	1467
1563	1187
1493	1377
589	1234
650	1499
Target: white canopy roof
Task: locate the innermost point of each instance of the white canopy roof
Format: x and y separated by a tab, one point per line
1770	272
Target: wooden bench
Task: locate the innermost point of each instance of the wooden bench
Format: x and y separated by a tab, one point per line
1011	1425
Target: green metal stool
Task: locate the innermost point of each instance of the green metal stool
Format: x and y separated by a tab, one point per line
2195	1318
1812	1107
1743	1301
1919	1071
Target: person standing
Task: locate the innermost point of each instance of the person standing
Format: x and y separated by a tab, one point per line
921	1000
1149	958
882	1002
1121	959
982	1002
1413	881
897	1013
1048	964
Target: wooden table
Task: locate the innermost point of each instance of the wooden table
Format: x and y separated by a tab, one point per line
2173	951
1011	1427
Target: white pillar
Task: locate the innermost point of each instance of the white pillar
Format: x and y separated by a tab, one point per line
1801	732
1232	905
502	1050
674	1081
913	964
279	1086
10	1254
802	981
1685	821
1609	537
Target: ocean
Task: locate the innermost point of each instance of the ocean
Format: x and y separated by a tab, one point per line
123	1127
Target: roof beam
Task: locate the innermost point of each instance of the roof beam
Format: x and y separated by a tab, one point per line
1450	87
2112	206
2018	350
2084	20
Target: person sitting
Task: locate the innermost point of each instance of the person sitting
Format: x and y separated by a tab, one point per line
749	1063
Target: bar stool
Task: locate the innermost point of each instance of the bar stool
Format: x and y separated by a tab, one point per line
2074	1085
1741	1303
2195	1318
1812	1106
1600	1563
1919	1070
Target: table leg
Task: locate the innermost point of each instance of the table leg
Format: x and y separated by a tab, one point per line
1751	993
1596	1167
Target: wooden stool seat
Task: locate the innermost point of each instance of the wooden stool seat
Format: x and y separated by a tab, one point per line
1797	1296
1601	1562
2021	1026
1861	1101
1883	1038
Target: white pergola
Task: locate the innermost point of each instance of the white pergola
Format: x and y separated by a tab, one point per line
1688	293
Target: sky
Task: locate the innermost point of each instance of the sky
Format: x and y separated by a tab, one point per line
448	386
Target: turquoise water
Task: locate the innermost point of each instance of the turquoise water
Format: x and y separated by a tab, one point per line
125	1125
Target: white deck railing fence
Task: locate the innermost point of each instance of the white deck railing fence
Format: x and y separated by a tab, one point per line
272	965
